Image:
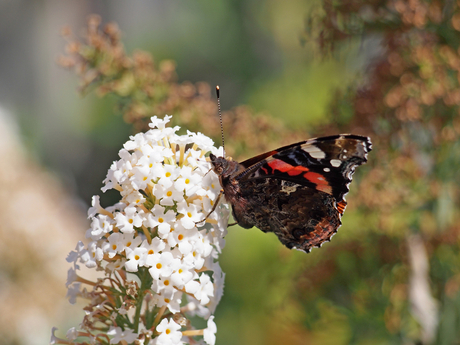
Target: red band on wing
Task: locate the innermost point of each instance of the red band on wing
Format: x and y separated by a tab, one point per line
297	170
291	170
319	180
315	178
277	164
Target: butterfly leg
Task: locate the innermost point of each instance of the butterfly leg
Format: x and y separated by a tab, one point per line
213	207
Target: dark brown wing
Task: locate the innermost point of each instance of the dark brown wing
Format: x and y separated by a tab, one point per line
301	217
297	191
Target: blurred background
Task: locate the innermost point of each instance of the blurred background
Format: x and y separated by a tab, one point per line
72	89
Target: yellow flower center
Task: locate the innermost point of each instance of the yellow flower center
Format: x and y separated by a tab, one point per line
158	265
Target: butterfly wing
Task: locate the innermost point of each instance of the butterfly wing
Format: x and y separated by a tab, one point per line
326	164
298	191
302	217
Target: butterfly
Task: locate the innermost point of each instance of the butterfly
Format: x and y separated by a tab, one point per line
297	191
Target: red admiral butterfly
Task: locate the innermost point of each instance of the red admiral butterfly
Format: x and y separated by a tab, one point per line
297	191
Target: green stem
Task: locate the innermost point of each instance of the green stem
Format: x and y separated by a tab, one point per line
137	316
140	299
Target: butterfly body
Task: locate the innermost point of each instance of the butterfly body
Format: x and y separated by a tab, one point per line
297	191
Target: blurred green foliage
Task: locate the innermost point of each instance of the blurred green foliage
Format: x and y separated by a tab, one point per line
405	95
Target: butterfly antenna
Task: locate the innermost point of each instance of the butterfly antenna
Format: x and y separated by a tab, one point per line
220	117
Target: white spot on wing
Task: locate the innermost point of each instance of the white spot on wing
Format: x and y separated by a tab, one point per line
314	151
335	163
326	169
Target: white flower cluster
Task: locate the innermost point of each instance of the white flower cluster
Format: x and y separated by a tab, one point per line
166	189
